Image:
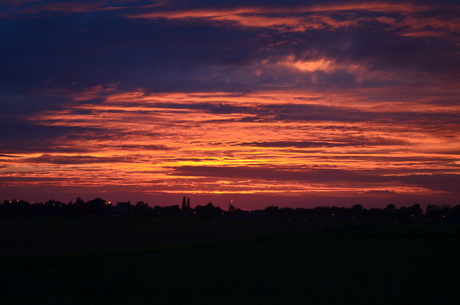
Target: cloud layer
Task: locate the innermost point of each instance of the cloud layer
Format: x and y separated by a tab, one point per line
304	99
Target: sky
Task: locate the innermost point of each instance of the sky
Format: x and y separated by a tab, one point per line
286	103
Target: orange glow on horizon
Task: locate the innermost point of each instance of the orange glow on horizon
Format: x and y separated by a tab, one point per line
159	150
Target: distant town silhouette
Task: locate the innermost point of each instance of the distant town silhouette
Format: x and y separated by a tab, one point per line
102	208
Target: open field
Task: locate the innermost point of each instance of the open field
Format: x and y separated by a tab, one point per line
89	261
37	235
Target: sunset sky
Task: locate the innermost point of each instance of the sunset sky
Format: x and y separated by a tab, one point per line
287	103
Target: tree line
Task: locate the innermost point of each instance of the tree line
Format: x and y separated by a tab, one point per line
100	207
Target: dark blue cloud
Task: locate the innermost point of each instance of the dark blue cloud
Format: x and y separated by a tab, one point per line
26	137
80	50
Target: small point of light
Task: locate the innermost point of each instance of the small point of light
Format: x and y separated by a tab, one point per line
333	214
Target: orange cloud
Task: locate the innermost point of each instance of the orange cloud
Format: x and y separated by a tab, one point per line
317	17
261	142
305	68
256	17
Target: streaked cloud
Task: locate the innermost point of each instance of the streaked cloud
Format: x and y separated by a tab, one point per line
32	8
412	19
301	99
60	159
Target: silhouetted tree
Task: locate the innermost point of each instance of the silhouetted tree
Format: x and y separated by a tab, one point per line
287	213
389	212
50	207
455	212
445	211
96	206
358	210
157	211
432	212
15	207
79	207
142	209
415	211
168	211
273	212
208	211
391	207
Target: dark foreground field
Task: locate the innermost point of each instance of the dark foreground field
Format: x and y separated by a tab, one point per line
91	261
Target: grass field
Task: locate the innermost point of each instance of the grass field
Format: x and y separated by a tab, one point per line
229	263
